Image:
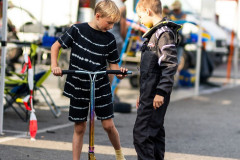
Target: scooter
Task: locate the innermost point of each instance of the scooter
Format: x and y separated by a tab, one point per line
92	76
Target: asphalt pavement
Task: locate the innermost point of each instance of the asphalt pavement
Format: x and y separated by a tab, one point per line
204	127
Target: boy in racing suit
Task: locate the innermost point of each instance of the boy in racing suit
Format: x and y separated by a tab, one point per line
158	66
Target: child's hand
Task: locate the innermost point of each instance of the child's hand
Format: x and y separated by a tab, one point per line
137	103
121	76
158	101
57	71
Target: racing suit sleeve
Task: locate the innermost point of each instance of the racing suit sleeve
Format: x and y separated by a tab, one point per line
168	63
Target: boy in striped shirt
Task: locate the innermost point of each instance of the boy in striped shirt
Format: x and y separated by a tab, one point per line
92	46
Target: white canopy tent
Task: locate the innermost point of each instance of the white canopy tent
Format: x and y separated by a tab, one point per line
56	12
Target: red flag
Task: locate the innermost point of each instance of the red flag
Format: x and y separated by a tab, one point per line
25	102
24	68
26	60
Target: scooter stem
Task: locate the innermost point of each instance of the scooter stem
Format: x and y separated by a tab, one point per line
91	124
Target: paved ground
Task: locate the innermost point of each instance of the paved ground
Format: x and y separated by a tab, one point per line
204	127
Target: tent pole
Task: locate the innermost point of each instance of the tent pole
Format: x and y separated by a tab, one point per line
3	60
199	52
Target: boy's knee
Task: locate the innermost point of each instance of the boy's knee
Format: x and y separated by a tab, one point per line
79	128
108	128
108	125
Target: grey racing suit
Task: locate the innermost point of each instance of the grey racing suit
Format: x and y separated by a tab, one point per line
157	69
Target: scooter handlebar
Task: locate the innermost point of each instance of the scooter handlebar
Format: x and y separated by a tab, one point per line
117	72
68	71
107	72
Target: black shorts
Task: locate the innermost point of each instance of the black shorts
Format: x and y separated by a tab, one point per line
78	110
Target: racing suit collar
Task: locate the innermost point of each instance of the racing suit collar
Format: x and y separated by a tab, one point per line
163	22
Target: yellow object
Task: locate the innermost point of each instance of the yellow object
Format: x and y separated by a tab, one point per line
130	53
206	35
119	155
19	100
173	18
91	156
33	50
149	25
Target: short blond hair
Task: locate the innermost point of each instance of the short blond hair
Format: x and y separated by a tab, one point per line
154	5
108	8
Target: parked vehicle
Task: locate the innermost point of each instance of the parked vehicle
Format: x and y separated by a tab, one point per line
214	36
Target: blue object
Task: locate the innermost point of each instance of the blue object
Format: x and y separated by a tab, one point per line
48	41
186	78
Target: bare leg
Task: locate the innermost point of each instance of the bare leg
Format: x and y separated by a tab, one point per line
77	141
112	132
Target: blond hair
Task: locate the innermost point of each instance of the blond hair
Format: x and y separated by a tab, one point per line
154	5
107	8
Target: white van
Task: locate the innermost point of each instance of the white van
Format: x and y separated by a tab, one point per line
216	43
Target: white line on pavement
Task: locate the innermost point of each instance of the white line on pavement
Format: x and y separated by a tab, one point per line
24	134
101	149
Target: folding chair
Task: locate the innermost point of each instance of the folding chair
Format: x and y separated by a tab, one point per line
14	93
39	78
17	89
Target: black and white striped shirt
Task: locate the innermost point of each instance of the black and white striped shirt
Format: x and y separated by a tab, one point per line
90	51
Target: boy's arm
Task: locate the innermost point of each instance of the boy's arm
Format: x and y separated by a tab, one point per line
57	71
168	63
123	22
115	66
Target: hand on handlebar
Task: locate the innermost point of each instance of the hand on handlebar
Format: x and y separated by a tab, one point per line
121	76
57	71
